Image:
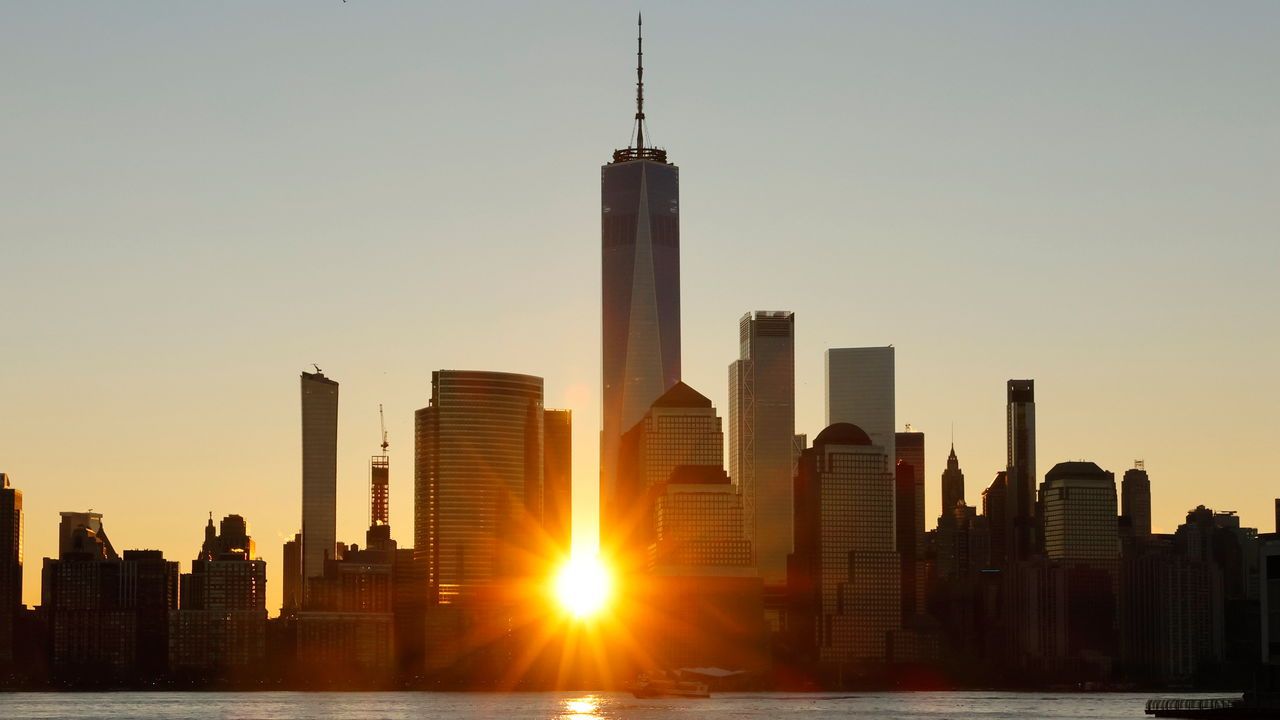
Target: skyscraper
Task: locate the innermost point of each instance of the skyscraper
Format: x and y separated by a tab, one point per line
222	621
10	566
995	507
844	572
952	484
319	473
477	477
640	264
762	419
557	477
909	448
1135	499
1021	425
860	391
1079	501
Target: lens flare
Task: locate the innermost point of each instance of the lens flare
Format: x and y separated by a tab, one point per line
582	587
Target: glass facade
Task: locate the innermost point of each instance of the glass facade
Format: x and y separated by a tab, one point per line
319	473
762	435
478	477
640	303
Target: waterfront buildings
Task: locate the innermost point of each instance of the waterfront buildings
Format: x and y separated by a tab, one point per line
640	290
845	569
219	628
319	473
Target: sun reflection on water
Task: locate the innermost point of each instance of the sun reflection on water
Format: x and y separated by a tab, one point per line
583	708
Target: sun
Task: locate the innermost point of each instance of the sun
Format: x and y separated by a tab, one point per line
583	585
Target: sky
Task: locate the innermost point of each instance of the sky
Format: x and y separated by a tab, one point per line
198	201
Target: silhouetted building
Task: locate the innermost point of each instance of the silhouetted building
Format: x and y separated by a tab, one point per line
1217	537
219	629
1021	497
292	575
844	574
640	291
1171	623
860	391
995	507
108	617
319	473
909	508
557	478
762	418
1269	597
952	483
1135	500
963	542
10	568
347	631
378	536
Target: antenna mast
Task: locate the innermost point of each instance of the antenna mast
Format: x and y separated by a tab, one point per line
639	81
383	421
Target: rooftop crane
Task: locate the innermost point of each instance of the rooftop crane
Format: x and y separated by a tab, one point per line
383	420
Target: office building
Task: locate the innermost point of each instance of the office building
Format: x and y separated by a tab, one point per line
1135	499
1079	500
319	473
291	584
845	569
640	290
762	419
995	507
860	391
10	568
220	627
557	479
1020	414
478	482
952	483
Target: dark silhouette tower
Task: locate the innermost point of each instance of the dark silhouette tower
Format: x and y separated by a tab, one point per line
640	303
952	484
1135	499
1021	499
10	566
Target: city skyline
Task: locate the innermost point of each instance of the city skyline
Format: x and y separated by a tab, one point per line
155	477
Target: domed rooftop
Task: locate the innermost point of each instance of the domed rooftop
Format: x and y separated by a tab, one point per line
842	434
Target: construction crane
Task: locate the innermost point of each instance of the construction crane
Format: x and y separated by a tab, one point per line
383	420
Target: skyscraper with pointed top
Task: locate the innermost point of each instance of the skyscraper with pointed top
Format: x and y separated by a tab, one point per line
640	273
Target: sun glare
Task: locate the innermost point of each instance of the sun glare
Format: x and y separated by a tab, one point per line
582	587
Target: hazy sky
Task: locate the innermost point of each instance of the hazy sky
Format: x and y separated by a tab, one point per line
200	200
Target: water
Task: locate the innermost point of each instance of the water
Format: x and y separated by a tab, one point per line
571	706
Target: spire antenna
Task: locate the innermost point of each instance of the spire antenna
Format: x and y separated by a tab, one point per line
639	81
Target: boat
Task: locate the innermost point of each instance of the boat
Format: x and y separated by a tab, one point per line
662	686
1252	706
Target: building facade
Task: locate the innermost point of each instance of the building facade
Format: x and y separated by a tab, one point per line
478	478
762	419
860	391
10	568
1135	499
319	473
1020	415
845	569
557	479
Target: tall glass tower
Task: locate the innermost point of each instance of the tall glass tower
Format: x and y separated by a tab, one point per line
640	282
319	473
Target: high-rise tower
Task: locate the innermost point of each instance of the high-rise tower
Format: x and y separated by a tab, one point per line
860	391
1135	498
1021	418
640	303
952	484
10	566
762	419
319	473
